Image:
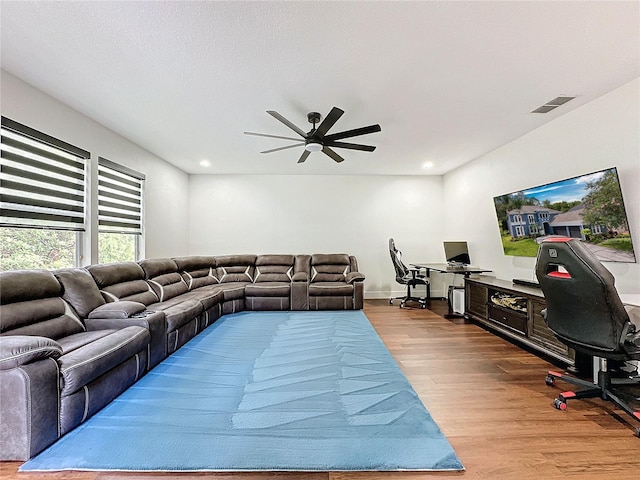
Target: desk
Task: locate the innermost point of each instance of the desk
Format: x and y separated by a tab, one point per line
446	268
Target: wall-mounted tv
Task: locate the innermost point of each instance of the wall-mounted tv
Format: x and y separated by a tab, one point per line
589	207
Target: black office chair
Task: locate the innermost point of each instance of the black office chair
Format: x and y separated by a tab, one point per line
411	277
586	314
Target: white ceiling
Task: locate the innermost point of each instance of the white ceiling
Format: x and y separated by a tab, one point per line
447	81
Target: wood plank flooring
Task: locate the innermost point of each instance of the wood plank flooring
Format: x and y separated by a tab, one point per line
489	398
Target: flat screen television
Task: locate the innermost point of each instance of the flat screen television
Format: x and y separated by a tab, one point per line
589	207
456	253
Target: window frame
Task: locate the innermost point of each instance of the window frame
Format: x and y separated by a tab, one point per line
128	177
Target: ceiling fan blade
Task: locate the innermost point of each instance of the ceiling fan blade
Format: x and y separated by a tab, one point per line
353	133
271	136
279	117
304	156
333	154
283	148
328	121
351	146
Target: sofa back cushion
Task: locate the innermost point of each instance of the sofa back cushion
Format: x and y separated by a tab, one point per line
235	268
162	274
79	290
274	268
31	304
329	267
197	271
122	281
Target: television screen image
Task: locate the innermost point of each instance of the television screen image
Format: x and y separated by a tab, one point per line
457	253
589	207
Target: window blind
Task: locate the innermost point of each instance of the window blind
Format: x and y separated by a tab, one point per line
119	198
42	180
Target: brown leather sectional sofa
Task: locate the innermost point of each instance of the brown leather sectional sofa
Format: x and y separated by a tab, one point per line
72	340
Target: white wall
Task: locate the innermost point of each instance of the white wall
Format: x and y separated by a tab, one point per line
166	195
603	133
320	214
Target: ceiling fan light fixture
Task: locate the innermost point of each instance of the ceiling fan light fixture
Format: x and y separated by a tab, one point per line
313	147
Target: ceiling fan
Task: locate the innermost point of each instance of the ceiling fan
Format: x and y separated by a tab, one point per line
317	139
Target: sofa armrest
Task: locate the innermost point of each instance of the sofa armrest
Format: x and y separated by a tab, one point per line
17	350
123	309
300	277
354	277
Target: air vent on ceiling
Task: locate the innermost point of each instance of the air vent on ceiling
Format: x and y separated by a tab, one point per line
551	104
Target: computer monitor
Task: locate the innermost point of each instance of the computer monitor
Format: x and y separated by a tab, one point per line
456	253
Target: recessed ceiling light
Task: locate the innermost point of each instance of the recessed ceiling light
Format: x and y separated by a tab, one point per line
427	165
205	163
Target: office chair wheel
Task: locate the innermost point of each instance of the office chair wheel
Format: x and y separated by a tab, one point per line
560	404
550	380
637	432
391	301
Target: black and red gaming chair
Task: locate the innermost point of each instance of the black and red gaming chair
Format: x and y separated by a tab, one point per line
586	314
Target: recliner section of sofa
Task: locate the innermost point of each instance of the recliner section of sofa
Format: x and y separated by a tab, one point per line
126	281
82	293
335	283
199	273
55	372
234	272
271	287
73	339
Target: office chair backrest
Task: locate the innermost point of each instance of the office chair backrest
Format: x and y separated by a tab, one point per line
583	307
396	257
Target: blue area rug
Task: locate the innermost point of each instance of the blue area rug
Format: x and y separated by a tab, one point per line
277	391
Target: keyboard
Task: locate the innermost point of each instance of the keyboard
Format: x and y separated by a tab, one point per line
526	283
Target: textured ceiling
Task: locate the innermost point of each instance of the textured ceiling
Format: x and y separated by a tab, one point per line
447	81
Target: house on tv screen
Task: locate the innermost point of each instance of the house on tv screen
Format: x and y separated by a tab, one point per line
537	221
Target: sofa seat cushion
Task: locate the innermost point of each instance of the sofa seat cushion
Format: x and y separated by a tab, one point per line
73	342
178	311
208	296
268	289
320	289
233	290
86	363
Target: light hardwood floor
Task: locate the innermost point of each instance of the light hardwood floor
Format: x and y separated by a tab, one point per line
489	398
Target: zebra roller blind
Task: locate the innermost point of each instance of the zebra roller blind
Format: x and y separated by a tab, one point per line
42	180
119	198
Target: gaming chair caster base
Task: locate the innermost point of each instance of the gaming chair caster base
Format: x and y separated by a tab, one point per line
560	404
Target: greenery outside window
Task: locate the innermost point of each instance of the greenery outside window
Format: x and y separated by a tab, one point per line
120	212
42	199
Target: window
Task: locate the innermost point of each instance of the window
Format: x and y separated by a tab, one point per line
120	212
531	218
543	216
517	219
533	229
42	199
519	231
